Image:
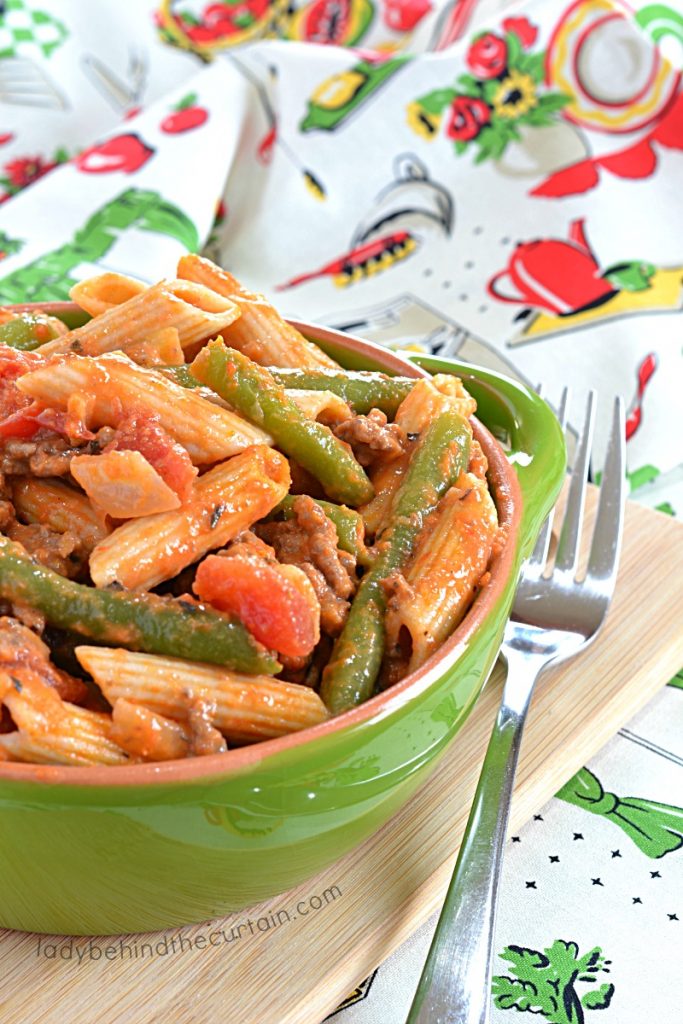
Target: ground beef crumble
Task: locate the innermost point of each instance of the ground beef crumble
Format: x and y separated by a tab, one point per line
309	541
48	455
62	552
6	506
373	439
204	736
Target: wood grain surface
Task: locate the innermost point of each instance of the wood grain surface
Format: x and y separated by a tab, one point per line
293	959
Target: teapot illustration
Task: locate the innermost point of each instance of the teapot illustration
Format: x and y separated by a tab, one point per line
557	276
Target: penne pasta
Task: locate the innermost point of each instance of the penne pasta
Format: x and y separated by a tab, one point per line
112	384
161	348
423	403
51	502
386	480
323	406
260	332
243	708
68	745
429	398
193	310
21	651
123	484
451	556
52	731
226	500
199	444
147	735
14	746
98	294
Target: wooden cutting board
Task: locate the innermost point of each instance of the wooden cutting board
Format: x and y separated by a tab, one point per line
348	919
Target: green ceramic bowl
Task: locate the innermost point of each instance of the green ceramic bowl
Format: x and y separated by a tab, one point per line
141	847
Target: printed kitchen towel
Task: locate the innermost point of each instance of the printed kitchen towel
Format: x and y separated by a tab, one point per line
597	869
505	190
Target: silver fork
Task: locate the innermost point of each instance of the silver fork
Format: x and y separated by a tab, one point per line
553	618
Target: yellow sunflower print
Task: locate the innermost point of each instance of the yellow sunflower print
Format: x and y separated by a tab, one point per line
515	96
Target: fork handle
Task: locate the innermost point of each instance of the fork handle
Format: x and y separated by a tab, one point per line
456	981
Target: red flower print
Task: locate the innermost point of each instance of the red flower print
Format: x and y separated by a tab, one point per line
21	172
487	56
468	117
523	29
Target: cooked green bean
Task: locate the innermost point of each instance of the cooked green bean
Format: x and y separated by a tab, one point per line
27	331
349	524
252	391
138	621
438	461
181	375
362	390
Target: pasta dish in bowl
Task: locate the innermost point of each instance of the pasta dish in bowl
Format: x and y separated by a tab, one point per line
252	577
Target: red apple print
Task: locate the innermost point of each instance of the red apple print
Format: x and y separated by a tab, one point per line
6	137
402	15
186	116
122	153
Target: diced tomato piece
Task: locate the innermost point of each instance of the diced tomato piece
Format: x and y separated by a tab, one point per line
14	364
23	423
27	421
143	433
278	606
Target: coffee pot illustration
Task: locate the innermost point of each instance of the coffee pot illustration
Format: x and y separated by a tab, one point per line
554	275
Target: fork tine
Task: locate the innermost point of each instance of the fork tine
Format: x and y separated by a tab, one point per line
606	543
568	544
540	553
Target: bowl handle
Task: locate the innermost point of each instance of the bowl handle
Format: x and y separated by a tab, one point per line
525	426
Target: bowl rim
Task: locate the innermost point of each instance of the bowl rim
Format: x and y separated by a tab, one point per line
508	497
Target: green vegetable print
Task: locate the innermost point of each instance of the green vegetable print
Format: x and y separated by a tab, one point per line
547	984
9	246
50	275
677	680
656	829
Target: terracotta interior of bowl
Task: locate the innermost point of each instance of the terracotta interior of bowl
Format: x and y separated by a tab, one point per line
507	495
